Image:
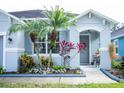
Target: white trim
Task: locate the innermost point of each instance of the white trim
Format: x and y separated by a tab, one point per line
46	38
15	49
89	44
4	53
34	18
3	34
96	13
10	15
103	49
122	35
116	43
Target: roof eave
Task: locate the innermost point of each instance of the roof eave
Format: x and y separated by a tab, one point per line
97	13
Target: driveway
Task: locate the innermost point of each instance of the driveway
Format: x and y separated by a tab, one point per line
93	75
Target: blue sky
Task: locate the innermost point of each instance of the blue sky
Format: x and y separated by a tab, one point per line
110	8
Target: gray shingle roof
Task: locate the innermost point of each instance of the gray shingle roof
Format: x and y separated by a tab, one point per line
29	14
118	32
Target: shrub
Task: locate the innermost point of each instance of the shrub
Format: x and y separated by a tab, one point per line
112	52
58	67
44	61
116	65
26	62
2	70
23	69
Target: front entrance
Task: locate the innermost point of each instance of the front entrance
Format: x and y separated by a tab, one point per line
84	55
1	50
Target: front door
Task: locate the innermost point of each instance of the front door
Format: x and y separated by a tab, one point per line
84	55
1	50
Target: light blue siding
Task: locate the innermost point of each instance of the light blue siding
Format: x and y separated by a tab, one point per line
121	46
28	44
1	50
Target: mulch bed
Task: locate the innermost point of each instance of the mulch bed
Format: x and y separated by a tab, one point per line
117	72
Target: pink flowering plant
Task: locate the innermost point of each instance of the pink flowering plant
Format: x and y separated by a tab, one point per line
66	47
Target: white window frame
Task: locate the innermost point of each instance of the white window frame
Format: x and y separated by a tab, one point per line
116	43
46	45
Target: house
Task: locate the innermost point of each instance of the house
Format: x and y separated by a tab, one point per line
117	38
92	28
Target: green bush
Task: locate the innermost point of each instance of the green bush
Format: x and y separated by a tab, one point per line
44	61
23	69
2	70
26	63
58	67
116	65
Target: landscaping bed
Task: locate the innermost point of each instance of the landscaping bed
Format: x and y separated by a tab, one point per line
110	75
46	73
117	72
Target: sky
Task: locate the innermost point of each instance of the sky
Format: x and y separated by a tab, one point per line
111	8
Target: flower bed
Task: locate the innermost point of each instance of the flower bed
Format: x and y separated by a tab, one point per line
57	71
117	72
110	75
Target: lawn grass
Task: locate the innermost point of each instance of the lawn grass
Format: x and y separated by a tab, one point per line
33	85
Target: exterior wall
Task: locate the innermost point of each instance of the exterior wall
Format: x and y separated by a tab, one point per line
56	58
13	49
104	44
94	23
12	60
4	22
28	44
74	37
120	45
95	43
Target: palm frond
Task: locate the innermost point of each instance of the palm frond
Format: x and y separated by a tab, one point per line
58	18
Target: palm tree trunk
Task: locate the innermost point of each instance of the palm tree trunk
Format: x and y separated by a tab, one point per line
38	54
50	58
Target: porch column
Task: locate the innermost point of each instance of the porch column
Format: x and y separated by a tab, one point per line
105	61
74	37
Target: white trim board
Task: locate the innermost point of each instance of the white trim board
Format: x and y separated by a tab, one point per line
3	34
119	36
98	14
15	49
10	15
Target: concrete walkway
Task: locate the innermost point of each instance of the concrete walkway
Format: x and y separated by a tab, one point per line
93	75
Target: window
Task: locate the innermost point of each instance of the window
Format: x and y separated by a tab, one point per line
116	45
44	45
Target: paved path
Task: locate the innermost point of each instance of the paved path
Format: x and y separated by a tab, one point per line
93	75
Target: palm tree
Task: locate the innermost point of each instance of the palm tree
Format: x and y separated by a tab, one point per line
35	29
58	19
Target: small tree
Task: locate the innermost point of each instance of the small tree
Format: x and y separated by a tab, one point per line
57	18
112	51
66	47
35	29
